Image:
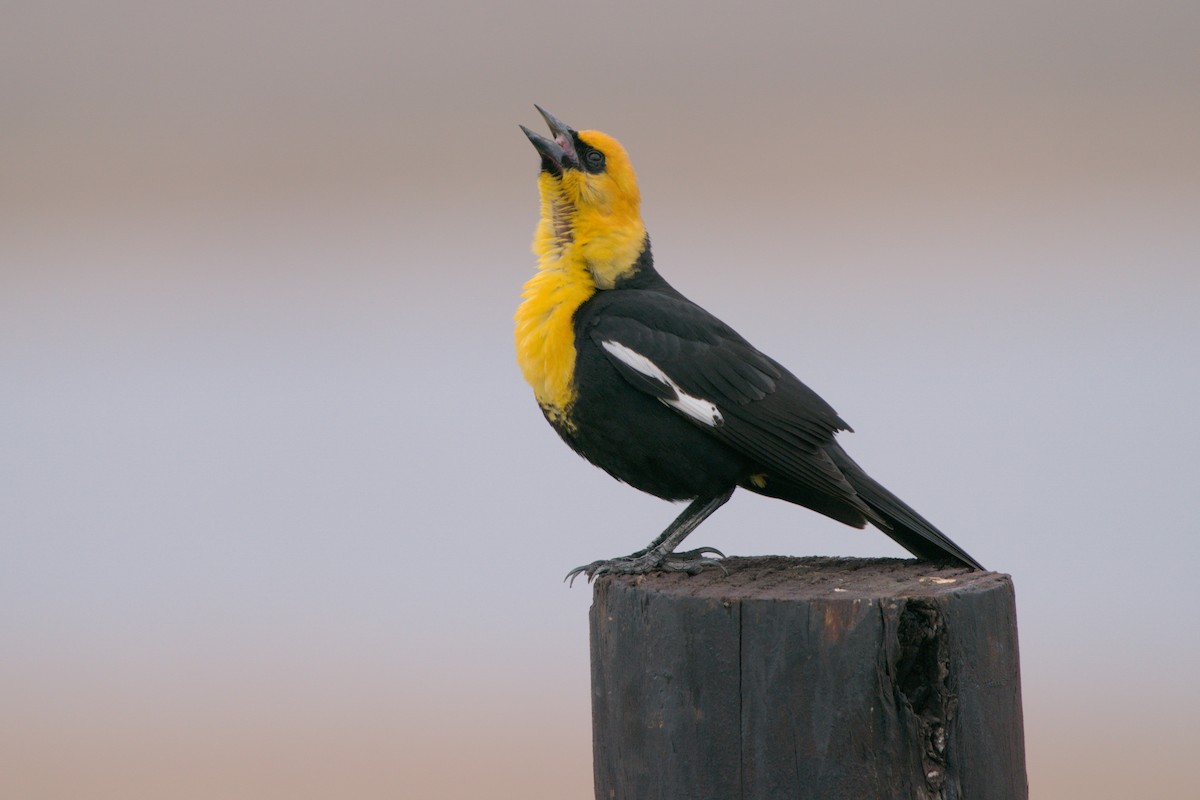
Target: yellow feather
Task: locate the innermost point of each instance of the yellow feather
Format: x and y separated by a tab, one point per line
590	235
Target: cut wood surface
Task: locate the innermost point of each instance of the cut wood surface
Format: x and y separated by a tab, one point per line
807	678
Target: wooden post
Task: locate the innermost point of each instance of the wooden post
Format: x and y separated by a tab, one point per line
816	678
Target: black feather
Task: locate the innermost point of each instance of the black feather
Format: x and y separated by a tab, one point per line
773	426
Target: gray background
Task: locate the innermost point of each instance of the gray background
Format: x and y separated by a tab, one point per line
278	517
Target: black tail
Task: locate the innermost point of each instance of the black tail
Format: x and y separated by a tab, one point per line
907	528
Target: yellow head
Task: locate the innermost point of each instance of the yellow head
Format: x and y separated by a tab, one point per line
591	206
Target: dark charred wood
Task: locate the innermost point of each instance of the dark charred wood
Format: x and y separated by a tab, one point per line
807	678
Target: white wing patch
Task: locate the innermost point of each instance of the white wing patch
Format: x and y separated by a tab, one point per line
697	408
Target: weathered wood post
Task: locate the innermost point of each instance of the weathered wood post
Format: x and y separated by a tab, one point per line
812	678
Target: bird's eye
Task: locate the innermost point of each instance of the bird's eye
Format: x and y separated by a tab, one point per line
595	160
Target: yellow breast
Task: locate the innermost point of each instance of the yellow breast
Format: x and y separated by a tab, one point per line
589	235
545	334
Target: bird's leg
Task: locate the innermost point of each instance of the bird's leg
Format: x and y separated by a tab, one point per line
660	554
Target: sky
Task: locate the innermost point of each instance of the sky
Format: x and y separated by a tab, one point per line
279	517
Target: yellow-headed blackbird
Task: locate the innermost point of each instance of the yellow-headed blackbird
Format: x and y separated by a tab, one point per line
658	392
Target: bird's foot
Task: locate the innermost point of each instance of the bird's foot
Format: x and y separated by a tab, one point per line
654	560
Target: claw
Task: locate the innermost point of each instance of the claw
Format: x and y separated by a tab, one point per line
700	552
640	563
570	577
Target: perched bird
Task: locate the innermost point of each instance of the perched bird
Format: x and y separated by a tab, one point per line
659	393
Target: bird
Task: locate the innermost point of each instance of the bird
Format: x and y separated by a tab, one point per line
661	394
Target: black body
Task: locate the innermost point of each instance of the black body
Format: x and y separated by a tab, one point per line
776	436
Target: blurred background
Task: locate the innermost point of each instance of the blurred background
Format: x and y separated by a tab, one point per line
278	516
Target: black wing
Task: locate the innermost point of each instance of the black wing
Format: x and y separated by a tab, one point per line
700	366
676	351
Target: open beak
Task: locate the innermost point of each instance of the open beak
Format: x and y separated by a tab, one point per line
558	153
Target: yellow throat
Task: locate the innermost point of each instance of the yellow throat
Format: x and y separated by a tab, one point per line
589	236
